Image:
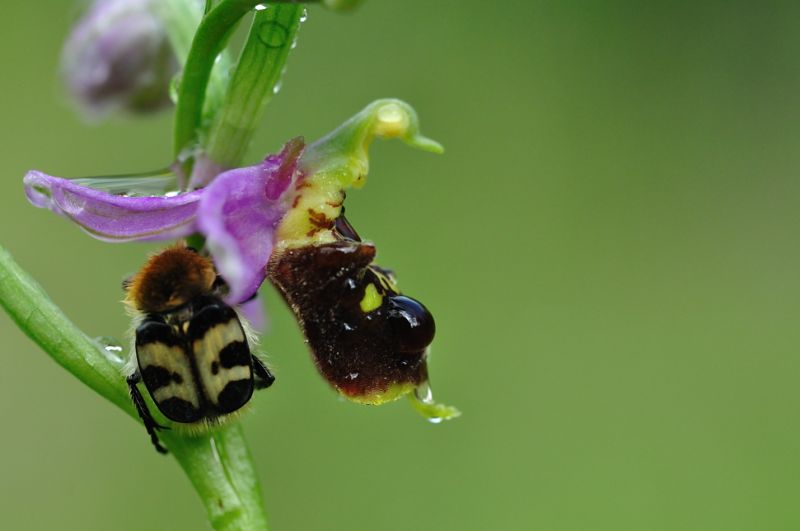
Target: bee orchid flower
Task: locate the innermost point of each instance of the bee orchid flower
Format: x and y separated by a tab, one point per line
286	214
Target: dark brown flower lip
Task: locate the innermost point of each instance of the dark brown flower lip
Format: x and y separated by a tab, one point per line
373	352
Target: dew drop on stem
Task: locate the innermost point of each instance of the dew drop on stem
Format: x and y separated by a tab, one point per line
112	349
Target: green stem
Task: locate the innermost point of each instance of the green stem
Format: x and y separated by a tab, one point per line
181	19
210	39
220	469
217	463
254	82
44	322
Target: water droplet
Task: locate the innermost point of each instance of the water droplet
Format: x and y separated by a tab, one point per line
174	87
304	16
214	450
277	87
435	413
273	34
261	7
189	153
112	348
424	393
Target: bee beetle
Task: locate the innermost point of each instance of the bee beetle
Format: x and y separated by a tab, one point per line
191	349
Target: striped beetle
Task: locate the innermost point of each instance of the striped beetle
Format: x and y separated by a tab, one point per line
191	349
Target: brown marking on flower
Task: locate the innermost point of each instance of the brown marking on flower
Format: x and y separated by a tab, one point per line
319	220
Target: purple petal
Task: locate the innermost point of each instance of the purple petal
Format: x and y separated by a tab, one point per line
238	215
253	310
204	171
114	217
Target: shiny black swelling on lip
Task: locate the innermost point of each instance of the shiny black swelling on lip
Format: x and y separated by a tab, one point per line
411	323
359	352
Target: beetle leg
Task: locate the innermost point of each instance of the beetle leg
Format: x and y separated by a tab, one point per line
263	378
150	423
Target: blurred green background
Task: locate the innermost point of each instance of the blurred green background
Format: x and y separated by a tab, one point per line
609	246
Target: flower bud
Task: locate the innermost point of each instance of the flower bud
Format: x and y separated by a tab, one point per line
118	56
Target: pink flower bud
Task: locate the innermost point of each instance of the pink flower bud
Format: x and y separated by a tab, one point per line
118	57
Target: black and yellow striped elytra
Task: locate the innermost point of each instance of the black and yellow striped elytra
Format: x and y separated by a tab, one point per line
196	364
196	368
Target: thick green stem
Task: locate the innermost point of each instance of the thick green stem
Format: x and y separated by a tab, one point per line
220	468
181	19
217	463
210	39
44	322
255	80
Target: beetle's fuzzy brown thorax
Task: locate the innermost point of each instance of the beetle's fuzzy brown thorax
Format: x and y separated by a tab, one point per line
170	279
